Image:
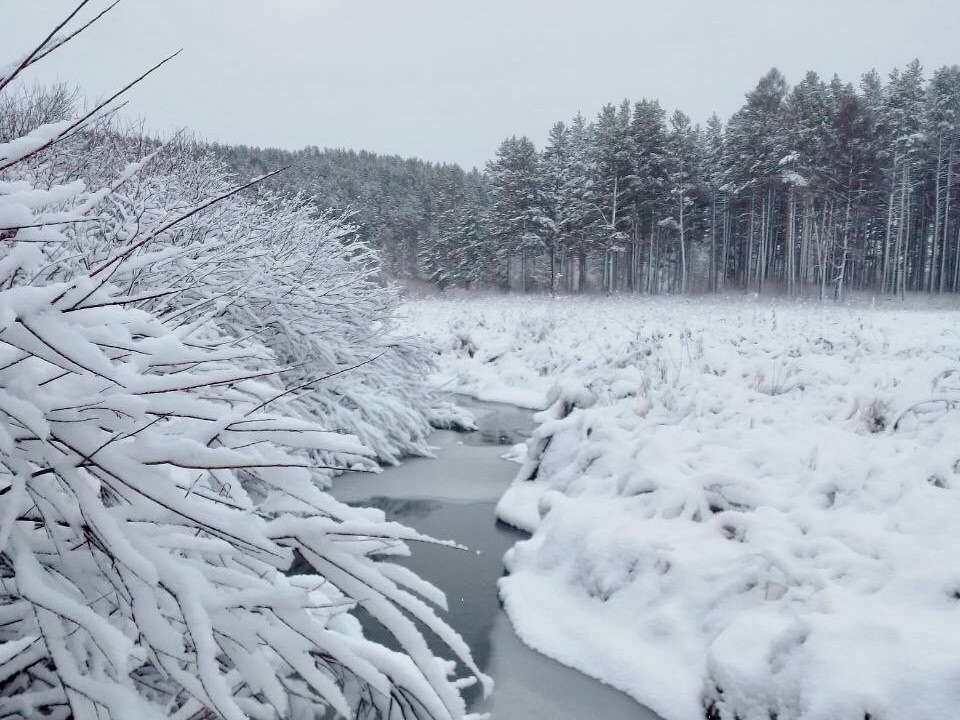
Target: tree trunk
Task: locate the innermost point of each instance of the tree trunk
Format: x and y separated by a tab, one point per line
749	256
945	244
653	224
683	243
805	244
885	271
826	228
581	269
556	269
791	241
902	232
722	274
842	265
936	219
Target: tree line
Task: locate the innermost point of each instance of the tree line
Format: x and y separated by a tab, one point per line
818	188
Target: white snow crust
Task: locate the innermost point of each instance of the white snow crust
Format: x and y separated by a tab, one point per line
736	506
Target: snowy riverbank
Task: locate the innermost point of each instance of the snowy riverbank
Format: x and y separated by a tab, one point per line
734	505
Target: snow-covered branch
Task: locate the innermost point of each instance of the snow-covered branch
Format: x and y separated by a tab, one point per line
157	476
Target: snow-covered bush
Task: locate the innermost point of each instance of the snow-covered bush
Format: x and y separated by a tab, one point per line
154	486
263	266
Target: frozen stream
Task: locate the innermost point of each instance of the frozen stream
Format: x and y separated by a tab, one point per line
453	497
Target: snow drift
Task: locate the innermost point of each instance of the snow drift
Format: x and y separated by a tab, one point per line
738	509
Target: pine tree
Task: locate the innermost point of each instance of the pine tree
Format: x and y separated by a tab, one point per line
519	222
612	153
440	253
943	128
849	143
649	196
714	177
682	163
900	121
574	212
806	175
555	172
756	140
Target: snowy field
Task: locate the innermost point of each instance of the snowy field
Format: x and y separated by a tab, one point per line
738	508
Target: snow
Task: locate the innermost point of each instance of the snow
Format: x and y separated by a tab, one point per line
792	177
735	503
17	148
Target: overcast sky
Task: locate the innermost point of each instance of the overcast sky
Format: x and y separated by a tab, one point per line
447	79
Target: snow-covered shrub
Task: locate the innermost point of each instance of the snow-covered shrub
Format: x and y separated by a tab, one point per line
263	266
155	490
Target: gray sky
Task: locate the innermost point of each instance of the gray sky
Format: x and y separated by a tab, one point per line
447	79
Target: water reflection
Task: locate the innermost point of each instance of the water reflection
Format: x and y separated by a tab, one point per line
468	578
402	509
497	424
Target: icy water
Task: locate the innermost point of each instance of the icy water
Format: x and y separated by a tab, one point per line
453	497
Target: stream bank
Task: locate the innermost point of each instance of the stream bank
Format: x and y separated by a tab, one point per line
454	497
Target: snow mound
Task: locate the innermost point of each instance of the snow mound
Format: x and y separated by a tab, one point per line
740	510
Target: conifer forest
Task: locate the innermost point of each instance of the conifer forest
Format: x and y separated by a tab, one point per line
811	189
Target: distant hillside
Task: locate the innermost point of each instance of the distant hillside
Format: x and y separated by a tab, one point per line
396	201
